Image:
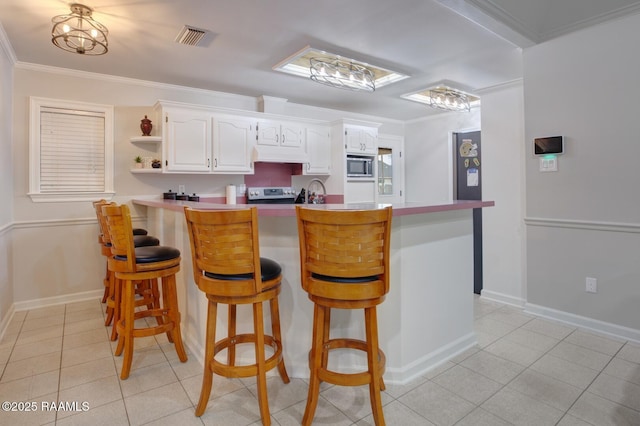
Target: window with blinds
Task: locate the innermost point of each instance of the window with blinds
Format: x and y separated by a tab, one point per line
71	151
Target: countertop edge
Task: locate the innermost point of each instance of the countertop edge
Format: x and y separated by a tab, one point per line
286	210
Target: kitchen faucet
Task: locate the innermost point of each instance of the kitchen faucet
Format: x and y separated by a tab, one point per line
311	182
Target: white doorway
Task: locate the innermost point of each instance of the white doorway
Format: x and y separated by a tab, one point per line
390	164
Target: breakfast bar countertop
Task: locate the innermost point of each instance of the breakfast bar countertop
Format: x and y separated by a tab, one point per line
284	210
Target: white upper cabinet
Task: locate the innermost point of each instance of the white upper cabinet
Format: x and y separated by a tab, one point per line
233	141
361	139
318	147
187	140
276	133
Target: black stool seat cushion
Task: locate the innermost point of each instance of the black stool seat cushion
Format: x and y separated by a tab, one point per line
139	231
344	280
151	254
145	240
270	269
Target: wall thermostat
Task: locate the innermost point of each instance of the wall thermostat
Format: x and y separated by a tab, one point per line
553	145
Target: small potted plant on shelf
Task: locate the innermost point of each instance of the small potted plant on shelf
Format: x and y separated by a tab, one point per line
138	161
156	164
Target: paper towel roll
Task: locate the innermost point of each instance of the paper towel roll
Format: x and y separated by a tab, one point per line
231	194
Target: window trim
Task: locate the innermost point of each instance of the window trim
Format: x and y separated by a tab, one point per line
36	106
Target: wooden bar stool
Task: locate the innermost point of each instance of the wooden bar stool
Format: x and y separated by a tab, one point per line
131	264
228	268
344	262
147	292
142	239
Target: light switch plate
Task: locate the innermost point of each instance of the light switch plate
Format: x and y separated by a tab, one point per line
548	164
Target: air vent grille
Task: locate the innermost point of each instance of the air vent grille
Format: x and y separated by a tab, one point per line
190	36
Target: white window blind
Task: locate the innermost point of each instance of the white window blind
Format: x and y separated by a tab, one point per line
71	151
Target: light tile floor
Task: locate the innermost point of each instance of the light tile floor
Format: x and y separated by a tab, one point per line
524	371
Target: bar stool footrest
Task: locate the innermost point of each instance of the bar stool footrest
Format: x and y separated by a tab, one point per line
348	379
165	326
250	370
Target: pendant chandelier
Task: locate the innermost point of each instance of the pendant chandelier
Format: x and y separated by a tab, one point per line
342	74
448	99
79	32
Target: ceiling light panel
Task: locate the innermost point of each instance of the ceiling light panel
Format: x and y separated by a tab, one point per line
299	64
436	97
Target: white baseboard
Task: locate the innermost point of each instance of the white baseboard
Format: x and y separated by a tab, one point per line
602	327
503	298
429	361
44	302
4	322
58	300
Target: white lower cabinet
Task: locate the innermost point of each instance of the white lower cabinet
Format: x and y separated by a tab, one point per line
233	140
318	148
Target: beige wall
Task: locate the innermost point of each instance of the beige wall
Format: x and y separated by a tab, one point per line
429	154
6	182
503	147
583	221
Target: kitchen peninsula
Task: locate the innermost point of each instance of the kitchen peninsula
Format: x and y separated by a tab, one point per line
426	318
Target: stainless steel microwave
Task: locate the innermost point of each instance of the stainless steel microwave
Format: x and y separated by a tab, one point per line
360	166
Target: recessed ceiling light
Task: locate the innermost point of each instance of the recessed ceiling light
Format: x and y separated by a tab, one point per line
300	62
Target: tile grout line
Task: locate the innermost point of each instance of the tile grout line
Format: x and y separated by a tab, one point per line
526	368
64	325
598	375
13	346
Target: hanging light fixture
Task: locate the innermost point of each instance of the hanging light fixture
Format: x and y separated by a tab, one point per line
336	72
448	99
79	32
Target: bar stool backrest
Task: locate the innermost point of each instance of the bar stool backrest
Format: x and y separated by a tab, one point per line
345	244
102	223
119	230
225	243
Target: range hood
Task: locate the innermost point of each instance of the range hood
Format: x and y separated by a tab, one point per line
279	154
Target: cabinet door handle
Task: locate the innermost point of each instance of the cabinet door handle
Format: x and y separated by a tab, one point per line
208	162
282	138
277	138
215	163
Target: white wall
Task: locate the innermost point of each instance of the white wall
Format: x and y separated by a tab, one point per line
428	154
584	221
503	149
6	179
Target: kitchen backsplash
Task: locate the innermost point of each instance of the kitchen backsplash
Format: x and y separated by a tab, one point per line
270	174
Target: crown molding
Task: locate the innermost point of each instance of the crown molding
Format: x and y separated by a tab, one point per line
494	19
6	46
122	80
622	12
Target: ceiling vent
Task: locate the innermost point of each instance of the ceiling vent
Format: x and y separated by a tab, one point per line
190	36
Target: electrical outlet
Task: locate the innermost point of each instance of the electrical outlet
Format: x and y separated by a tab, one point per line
180	189
591	285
